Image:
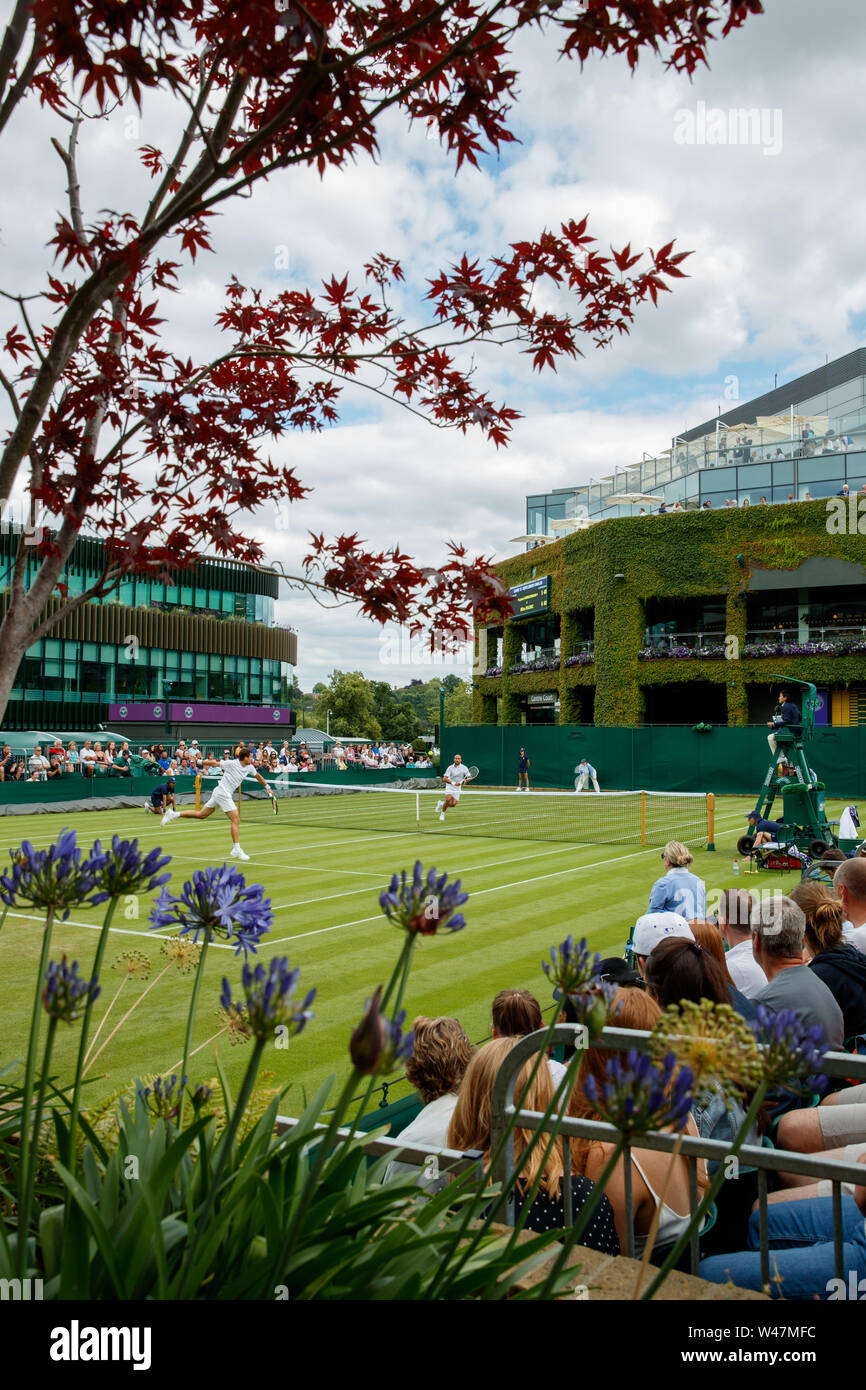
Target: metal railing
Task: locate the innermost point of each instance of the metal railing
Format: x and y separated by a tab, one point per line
696	640
503	1112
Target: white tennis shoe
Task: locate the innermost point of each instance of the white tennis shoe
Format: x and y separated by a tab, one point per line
439	805
442	816
237	853
169	816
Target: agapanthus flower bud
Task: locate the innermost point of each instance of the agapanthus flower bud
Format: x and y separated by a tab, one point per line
791	1051
636	1096
163	1097
571	968
378	1043
269	1009
65	995
126	870
425	903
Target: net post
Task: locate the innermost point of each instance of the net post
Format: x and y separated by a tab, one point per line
711	821
643	818
198	791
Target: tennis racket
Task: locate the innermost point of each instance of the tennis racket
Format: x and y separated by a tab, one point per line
473	773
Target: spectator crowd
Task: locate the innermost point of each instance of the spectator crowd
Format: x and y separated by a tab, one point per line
803	952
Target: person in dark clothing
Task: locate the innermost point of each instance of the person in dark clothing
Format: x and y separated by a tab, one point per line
841	966
763	830
161	798
787	716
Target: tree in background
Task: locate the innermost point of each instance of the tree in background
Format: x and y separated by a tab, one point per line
115	432
349	699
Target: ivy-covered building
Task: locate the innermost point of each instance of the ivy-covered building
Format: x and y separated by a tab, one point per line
683	618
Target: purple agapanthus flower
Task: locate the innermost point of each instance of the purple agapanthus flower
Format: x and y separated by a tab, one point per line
270	1006
65	995
571	968
637	1096
54	879
125	869
162	1099
593	1006
424	903
216	902
791	1052
378	1044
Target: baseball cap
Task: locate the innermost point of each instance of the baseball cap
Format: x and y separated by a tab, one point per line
614	970
654	927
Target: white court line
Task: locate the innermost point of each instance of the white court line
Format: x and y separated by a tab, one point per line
121	931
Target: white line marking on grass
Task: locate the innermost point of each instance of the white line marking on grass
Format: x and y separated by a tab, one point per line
121	931
306	868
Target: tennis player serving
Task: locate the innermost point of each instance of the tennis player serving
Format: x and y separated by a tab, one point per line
454	777
222	798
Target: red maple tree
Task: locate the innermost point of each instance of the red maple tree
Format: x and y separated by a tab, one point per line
115	435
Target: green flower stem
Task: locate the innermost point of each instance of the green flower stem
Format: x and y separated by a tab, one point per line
30	1064
33	1164
461	1228
580	1225
222	1156
91	1061
402	969
190	1024
657	1214
710	1194
82	1042
323	1149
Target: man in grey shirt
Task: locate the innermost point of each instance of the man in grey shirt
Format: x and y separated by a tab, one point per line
778	928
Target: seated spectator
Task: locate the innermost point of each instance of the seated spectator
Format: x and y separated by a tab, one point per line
849	885
679	890
517	1013
653	928
778	930
72	756
616	971
38	765
56	763
652	1172
802	1259
677	970
470	1129
840	965
10	768
87	758
441	1052
120	763
735	915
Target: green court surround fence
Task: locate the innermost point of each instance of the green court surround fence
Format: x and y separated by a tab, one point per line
657	757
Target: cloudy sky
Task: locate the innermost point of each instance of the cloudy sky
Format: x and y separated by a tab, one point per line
777	279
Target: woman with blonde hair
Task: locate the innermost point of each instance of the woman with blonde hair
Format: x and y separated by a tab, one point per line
653	1173
470	1128
834	960
441	1052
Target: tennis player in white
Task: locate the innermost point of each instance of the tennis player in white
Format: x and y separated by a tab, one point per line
453	777
222	798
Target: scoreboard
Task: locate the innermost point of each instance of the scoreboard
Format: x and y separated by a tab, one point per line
531	597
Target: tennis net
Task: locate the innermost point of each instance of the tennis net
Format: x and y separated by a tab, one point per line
639	817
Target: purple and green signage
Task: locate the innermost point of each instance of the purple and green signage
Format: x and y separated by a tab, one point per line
194	712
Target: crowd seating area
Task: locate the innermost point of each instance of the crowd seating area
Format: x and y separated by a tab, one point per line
797	960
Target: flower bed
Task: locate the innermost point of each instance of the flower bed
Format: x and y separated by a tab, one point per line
845	647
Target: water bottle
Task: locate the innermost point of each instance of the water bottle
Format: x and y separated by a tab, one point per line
736	866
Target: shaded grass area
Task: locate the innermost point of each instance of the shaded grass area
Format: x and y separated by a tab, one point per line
524	897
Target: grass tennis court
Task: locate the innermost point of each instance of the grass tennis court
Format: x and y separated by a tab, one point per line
324	880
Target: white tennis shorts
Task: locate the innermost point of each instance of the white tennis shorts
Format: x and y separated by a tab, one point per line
453	792
221	800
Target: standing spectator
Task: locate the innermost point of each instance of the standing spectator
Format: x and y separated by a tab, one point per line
679	890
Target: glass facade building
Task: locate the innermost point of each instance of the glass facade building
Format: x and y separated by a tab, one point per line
205	635
805	439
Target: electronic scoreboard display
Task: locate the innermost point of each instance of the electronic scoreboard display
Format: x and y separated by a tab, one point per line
531	597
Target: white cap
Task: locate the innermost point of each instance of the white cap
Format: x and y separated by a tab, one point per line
654	927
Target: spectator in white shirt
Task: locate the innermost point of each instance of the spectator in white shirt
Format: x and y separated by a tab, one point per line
735	917
38	765
441	1052
849	885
